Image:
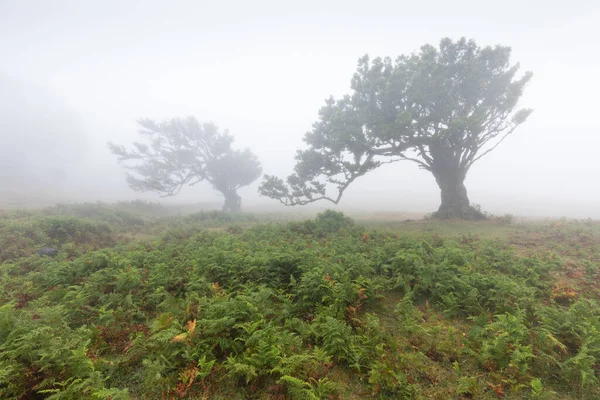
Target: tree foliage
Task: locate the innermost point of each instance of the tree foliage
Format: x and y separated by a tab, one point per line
181	152
442	108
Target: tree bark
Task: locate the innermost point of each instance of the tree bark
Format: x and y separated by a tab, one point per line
233	202
450	177
455	201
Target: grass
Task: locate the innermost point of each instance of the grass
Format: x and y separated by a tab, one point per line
143	303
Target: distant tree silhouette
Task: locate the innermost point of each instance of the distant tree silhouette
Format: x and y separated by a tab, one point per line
181	152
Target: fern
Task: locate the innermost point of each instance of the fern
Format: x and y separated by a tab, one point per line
240	371
336	337
298	389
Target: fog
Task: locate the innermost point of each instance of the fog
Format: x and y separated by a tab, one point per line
77	74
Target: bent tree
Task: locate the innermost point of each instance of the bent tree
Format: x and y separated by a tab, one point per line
181	152
442	108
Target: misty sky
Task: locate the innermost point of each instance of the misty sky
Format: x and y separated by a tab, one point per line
262	69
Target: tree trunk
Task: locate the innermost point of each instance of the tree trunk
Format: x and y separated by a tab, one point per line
233	202
455	201
450	176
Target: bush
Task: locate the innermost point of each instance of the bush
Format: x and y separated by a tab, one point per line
327	222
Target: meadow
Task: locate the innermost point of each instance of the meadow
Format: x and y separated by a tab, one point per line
140	302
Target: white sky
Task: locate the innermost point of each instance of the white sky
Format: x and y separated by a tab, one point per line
262	69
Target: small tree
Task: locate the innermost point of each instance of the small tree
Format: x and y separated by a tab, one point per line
182	152
442	108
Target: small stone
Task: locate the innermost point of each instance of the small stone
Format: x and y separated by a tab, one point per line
48	251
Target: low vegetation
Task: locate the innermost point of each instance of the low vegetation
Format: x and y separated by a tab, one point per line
218	306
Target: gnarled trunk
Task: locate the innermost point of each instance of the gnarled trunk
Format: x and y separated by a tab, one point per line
455	201
450	176
233	202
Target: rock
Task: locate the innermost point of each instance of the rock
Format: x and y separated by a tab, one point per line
48	251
